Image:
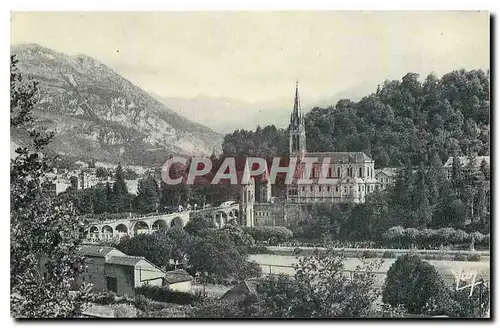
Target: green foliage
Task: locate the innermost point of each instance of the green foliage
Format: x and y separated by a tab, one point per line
412	282
245	306
43	243
368	254
216	253
399	237
148	196
460	257
163	294
160	247
388	255
318	289
259	250
265	233
474	257
197	225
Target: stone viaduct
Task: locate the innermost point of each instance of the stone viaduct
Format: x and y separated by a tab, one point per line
115	229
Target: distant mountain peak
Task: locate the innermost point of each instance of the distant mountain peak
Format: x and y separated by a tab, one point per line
99	114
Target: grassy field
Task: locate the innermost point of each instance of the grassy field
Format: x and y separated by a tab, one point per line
448	269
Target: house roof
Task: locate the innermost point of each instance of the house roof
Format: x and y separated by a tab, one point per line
388	171
125	260
341	157
244	288
96	250
176	276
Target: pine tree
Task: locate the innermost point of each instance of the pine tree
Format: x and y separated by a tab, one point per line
148	195
43	231
120	197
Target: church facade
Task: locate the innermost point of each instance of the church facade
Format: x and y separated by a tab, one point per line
337	177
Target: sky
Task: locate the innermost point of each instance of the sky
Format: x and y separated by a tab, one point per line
258	56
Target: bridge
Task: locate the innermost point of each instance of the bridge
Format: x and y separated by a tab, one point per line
110	230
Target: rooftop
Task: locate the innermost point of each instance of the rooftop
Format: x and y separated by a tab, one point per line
176	276
341	157
125	260
96	250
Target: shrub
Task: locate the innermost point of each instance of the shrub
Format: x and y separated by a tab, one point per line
250	269
297	250
474	258
105	298
411	282
388	255
460	257
259	250
368	254
264	233
163	294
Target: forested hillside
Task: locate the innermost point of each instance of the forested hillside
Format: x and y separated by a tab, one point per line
403	120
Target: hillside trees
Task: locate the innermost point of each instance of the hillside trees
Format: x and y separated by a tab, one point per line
449	116
43	232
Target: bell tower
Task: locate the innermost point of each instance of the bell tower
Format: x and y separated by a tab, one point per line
247	195
297	129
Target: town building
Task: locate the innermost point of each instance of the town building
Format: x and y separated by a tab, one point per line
179	280
464	161
386	177
109	269
337	177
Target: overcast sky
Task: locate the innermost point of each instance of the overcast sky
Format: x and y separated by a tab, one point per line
257	56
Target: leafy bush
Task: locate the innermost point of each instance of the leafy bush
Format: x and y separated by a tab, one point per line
474	258
265	233
259	250
105	298
388	255
297	250
250	269
412	282
460	257
162	294
368	254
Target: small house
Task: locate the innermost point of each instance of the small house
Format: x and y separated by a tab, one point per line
178	280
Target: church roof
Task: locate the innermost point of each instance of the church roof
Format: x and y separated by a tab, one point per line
341	157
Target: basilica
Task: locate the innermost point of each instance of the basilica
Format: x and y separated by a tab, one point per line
337	177
350	175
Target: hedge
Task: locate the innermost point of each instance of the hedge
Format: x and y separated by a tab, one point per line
399	237
264	233
163	294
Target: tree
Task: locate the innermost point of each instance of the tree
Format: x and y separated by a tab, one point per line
43	232
148	196
101	172
318	289
412	282
73	182
120	199
215	253
155	247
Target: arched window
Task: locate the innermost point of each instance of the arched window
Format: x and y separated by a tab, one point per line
338	172
360	172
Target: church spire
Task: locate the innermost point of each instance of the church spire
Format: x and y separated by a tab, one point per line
297	126
296	113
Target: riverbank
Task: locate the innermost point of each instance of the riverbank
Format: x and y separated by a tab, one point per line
431	254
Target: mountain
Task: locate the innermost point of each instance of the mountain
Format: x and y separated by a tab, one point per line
225	115
98	114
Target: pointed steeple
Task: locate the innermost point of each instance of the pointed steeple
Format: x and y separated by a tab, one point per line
296	113
297	127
